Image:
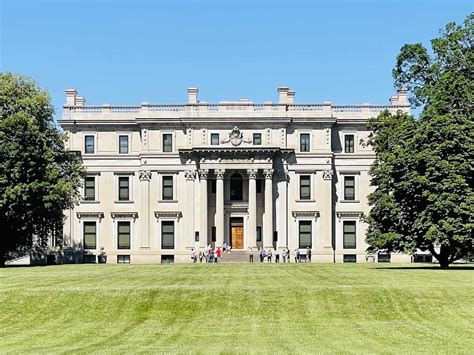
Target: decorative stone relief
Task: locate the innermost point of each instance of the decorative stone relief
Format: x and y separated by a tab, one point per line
145	175
189	135
132	215
236	137
268	135
252	173
327	174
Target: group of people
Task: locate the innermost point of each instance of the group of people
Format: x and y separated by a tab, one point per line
267	255
209	255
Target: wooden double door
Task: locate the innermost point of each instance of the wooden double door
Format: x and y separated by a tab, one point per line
237	232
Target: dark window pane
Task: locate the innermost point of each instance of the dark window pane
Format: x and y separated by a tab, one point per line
349	188
305	234
123	259
124	189
167	187
90	235
215	139
305	187
257	138
259	234
349	143
236	187
350	258
213	186
213	234
89	188
349	235
304	142
167	143
123	144
167	234
259	186
89	144
123	235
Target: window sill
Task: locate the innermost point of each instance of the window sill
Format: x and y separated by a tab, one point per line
167	201
123	202
349	201
300	200
90	202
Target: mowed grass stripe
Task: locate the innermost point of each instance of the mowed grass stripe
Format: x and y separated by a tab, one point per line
236	308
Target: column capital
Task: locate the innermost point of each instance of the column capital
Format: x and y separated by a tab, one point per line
144	175
190	174
219	173
252	173
268	173
327	174
203	173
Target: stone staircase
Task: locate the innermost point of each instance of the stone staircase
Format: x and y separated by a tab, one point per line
237	256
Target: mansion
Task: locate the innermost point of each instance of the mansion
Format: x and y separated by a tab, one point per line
163	179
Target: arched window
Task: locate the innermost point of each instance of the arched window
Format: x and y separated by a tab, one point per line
236	187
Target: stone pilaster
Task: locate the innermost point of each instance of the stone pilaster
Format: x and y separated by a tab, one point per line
189	208
219	207
203	225
252	173
145	178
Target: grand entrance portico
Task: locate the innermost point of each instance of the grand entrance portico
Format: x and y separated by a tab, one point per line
231	205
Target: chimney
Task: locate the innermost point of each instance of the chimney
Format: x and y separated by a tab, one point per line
283	91
193	95
291	97
71	95
80	101
401	98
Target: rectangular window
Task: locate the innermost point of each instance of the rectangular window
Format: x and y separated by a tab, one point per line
305	234
167	235
257	139
123	259
349	143
349	188
304	142
259	185
123	144
196	236
89	144
167	142
259	234
349	235
384	258
167	187
123	235
305	187
90	235
350	258
213	234
214	138
167	259
89	188
124	188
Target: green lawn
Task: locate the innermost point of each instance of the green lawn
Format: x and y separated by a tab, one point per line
235	308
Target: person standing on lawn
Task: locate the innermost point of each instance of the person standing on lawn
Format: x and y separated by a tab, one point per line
250	255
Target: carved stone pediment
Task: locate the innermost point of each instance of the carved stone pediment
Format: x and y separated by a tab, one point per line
311	214
96	215
168	214
118	215
349	214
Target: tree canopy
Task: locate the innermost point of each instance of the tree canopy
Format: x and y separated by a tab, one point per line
423	170
39	178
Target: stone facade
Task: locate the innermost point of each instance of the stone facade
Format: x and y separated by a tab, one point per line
164	179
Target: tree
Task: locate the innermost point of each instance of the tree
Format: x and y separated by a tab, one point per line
39	178
423	170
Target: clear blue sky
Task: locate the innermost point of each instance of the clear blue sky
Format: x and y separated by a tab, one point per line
126	52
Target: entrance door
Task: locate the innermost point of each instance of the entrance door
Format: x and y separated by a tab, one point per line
237	233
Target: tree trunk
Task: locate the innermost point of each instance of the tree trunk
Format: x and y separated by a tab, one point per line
443	256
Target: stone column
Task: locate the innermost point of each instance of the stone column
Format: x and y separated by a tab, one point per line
145	177
252	173
281	209
203	196
219	207
268	218
189	208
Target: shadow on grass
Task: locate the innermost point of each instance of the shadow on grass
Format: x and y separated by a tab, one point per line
425	267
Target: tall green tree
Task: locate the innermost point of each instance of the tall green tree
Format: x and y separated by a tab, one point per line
423	170
39	178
